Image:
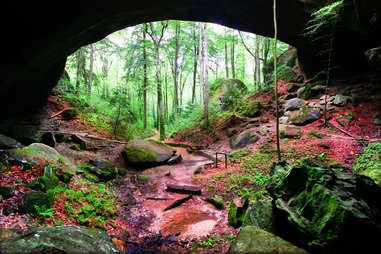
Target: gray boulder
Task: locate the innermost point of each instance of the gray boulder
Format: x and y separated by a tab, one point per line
243	139
60	239
252	239
7	142
294	104
340	100
305	115
147	152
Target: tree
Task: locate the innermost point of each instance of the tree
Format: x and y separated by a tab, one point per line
157	37
232	55
91	69
206	61
195	52
226	56
200	53
276	81
79	60
145	74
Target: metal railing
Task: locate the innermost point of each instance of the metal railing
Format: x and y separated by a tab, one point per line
226	159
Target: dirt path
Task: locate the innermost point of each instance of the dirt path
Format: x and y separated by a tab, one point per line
193	219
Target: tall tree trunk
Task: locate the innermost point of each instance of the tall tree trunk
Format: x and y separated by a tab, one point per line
201	68
153	110
176	71
145	75
257	62
232	56
195	51
226	56
166	98
206	60
266	50
79	61
91	69
276	81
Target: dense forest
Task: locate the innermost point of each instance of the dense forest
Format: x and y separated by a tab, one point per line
193	137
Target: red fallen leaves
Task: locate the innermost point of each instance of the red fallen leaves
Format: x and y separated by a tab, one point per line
120	244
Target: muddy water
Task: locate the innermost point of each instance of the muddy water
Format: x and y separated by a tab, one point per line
195	218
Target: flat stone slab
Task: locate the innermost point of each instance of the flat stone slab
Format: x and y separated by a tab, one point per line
184	188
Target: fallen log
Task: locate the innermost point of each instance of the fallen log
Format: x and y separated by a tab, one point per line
178	203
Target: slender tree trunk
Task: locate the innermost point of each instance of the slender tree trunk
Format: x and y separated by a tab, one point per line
153	110
201	68
175	70
257	62
79	60
195	51
145	75
226	57
232	56
91	69
206	60
166	98
276	81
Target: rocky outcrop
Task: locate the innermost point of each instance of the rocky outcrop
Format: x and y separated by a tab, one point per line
51	42
243	139
252	239
228	92
60	239
323	210
147	153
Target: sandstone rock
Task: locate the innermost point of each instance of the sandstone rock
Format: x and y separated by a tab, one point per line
184	188
294	104
324	210
252	239
7	142
305	116
60	239
304	92
237	213
260	214
253	109
243	139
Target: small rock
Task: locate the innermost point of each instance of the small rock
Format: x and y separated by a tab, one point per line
264	130
340	100
283	120
294	104
304	92
243	139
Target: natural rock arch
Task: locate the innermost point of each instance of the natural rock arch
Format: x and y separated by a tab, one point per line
38	36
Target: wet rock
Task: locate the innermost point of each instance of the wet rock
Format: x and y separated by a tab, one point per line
36	198
184	188
60	239
291	132
252	239
294	104
237	213
69	113
323	210
260	214
243	139
305	116
7	142
340	100
48	139
147	153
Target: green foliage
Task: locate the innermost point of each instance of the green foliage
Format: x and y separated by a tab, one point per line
369	163
316	134
44	211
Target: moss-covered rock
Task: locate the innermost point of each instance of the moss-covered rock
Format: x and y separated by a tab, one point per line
305	115
146	153
36	198
230	132
217	202
6	191
60	239
304	92
236	214
7	142
260	214
253	109
228	92
294	104
252	239
324	210
69	113
243	139
103	168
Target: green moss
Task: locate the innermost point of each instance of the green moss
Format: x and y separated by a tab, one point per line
369	163
137	155
316	134
70	113
217	202
143	178
252	109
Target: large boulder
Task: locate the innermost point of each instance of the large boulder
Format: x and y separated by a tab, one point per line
37	153
243	139
325	211
260	214
252	239
253	109
305	115
228	92
147	153
294	104
60	239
